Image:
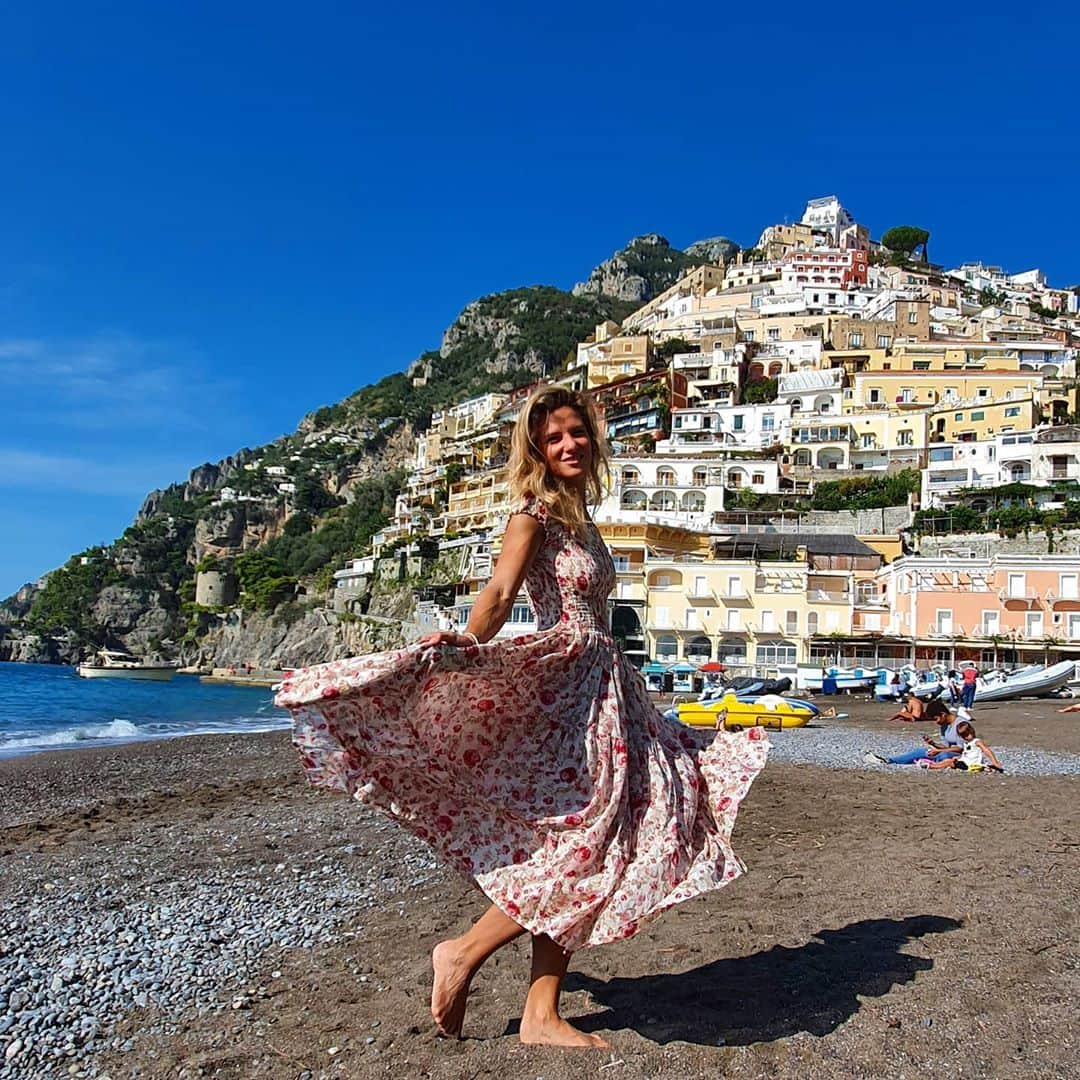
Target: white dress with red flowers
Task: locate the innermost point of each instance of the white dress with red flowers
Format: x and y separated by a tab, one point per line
537	765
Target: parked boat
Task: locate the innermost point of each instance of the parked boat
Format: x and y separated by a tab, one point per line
112	664
1035	681
736	712
812	677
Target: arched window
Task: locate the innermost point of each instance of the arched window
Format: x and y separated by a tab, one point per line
811	623
775	652
630	475
667	648
665	477
698	650
731	651
664	579
701	476
633	500
736	478
664	501
802	457
693	502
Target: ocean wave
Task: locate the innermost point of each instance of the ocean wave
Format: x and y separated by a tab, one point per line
123	731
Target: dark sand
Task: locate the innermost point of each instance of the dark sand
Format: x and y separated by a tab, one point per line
884	928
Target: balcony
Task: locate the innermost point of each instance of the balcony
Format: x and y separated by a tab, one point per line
708	597
1029	596
826	596
734	597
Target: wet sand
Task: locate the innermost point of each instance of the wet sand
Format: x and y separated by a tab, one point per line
888	924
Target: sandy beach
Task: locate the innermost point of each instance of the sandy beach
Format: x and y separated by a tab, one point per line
190	908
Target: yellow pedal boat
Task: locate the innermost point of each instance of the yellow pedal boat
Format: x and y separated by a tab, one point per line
765	710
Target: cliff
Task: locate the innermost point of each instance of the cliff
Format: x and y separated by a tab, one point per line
288	513
647	266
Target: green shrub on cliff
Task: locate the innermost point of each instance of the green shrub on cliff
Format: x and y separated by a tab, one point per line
68	594
342	533
866	492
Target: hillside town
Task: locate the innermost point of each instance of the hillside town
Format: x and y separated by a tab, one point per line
817	361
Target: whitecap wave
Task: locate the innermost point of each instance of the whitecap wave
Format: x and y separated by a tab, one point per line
122	731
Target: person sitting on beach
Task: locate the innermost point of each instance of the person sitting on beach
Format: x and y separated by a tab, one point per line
949	745
975	756
913	710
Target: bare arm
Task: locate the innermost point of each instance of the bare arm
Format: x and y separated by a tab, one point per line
990	754
521	542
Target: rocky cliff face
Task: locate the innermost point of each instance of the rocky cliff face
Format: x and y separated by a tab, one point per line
645	267
28	648
716	249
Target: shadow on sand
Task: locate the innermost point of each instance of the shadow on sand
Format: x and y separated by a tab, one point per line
768	995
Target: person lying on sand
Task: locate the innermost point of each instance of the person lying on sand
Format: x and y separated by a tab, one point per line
1075	707
975	756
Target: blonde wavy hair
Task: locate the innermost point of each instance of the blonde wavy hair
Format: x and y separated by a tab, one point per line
529	474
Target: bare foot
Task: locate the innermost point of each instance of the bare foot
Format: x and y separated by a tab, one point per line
450	989
555	1031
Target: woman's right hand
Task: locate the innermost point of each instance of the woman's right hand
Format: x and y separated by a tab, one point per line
447	637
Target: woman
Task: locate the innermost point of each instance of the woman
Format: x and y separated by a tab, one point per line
536	766
949	744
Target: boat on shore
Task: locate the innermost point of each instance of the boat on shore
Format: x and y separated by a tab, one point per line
736	711
812	677
113	664
1033	681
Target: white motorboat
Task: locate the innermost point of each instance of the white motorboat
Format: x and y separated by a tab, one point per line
1035	681
112	664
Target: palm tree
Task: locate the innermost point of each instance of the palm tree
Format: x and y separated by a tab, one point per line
1049	642
996	640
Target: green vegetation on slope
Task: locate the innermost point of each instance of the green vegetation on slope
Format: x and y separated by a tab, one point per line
67	596
545	324
866	492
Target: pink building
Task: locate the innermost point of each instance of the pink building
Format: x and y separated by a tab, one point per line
984	608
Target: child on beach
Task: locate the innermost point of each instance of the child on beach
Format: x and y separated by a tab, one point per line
974	757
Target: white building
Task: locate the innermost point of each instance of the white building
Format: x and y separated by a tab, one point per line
826	215
748	427
669	489
809	391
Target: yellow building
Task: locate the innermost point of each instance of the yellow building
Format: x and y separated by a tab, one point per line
899	390
950	356
761	600
676	298
611	355
479	501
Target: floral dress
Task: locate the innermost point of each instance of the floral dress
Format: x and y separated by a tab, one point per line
536	765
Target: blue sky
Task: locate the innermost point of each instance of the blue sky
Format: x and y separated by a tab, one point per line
217	217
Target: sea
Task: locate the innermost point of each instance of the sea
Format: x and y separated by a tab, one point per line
48	707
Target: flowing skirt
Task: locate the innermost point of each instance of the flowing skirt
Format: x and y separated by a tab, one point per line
539	768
